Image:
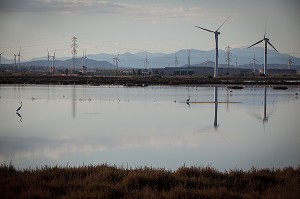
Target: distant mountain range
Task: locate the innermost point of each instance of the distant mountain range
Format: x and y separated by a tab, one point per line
243	57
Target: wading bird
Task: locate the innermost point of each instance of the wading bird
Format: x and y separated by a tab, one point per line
19	107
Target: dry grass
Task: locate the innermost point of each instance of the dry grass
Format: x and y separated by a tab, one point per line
104	181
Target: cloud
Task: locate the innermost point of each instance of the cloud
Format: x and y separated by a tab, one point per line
153	11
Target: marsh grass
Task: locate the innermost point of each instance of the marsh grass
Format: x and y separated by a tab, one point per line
105	181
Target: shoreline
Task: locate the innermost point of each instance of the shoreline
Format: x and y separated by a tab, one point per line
145	80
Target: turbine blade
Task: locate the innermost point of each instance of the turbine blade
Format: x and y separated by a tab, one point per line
265	31
204	29
272	46
223	23
255	43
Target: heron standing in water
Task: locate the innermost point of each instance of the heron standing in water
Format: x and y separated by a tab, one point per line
19	107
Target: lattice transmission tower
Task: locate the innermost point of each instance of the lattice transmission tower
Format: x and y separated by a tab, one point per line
74	51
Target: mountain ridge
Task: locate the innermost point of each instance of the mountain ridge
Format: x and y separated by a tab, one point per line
243	56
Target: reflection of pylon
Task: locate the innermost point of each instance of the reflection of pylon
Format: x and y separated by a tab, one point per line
74	51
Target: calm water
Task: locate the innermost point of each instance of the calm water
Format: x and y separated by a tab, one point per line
76	125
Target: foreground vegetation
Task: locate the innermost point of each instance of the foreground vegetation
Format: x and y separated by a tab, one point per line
104	181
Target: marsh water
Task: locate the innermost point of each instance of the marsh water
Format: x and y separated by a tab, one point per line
150	126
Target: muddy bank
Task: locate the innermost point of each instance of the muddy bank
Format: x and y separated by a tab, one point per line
143	81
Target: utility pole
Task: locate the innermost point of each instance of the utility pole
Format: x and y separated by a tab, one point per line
236	62
189	58
228	55
176	61
146	61
0	57
74	51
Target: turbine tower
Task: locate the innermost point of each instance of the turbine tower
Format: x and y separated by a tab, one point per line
48	58
189	57
266	49
290	61
217	33
146	62
53	59
0	57
19	57
176	60
15	60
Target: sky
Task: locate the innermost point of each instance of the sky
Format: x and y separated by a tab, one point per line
166	26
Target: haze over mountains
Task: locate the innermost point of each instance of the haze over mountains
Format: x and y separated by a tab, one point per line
243	56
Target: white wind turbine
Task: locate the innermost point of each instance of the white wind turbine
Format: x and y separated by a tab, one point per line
217	33
266	49
290	61
15	58
53	60
0	57
19	59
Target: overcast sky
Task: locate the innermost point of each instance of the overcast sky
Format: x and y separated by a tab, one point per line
144	25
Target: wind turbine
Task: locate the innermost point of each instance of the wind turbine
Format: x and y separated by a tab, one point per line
84	68
19	57
146	62
48	58
266	49
176	60
189	57
253	66
53	60
15	60
290	61
0	57
217	33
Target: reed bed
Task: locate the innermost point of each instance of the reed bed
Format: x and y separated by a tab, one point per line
105	181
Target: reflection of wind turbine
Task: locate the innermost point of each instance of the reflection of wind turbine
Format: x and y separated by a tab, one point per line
266	116
266	49
217	33
216	108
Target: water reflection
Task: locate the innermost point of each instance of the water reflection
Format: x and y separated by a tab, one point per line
265	116
149	128
20	116
216	108
73	101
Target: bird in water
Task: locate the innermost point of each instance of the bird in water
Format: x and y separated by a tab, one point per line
188	100
19	107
